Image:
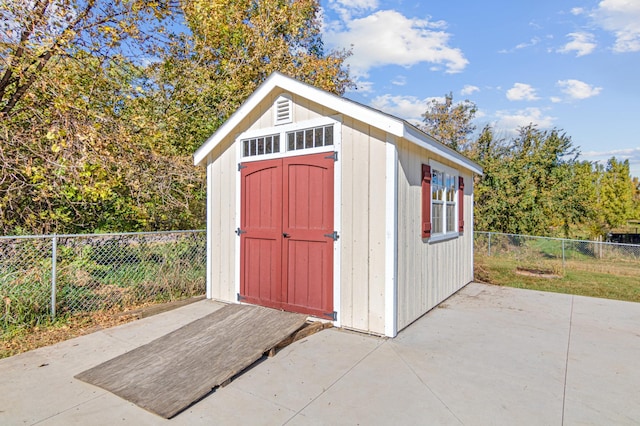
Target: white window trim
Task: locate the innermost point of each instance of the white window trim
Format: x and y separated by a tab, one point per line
445	235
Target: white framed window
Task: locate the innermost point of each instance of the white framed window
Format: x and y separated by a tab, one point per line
444	201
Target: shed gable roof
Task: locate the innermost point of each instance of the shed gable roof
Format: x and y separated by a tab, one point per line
378	119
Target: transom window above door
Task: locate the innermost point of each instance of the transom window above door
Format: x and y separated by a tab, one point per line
260	146
290	139
310	138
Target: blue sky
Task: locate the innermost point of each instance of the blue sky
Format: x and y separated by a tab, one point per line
572	65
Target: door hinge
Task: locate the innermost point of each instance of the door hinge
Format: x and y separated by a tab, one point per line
241	166
334	235
333	316
240	297
240	231
333	156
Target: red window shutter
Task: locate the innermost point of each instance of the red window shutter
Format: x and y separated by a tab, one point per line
426	201
460	204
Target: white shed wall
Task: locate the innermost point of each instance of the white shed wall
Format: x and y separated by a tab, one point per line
221	223
363	161
428	272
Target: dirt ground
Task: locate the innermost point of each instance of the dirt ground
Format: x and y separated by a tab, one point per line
68	328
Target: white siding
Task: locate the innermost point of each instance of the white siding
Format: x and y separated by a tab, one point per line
262	117
222	222
363	227
428	272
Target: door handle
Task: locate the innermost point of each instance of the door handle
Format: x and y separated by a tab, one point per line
284	234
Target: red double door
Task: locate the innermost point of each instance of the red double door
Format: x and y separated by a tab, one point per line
286	234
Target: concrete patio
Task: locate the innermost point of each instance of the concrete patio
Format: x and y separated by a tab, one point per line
487	356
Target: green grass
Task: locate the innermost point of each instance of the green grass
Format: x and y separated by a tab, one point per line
618	280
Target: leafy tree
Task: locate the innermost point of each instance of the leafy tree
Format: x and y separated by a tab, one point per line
70	159
70	162
635	185
529	183
616	193
235	45
35	33
450	123
101	107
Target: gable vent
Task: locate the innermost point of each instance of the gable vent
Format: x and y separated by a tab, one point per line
283	110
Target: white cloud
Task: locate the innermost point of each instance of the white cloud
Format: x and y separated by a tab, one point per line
631	154
622	18
522	92
387	37
400	80
556	99
362	86
577	89
530	43
577	11
408	108
346	9
511	121
524	45
582	43
469	90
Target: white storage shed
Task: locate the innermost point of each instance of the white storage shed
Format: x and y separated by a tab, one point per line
321	205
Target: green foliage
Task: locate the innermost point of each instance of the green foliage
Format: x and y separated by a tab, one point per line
450	123
101	107
235	45
529	183
616	193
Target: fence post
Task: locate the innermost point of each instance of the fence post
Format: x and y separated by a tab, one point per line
489	244
563	255
54	249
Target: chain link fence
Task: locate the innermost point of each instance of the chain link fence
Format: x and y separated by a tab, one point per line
557	254
43	277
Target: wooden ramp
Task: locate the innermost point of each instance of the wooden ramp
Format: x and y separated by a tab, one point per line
172	372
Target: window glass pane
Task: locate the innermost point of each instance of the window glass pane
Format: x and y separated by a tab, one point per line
245	148
268	145
260	146
276	143
292	141
299	140
328	135
436	218
451	216
319	137
253	147
308	138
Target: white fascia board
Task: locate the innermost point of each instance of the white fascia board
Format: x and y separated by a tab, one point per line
341	105
413	135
